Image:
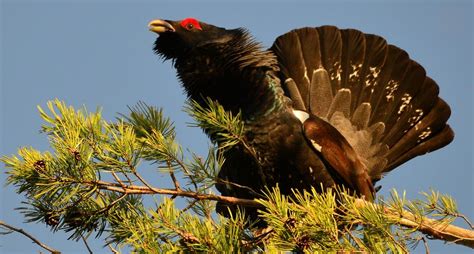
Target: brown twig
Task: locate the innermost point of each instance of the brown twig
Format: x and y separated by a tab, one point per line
118	180
427	226
462	216
186	172
173	177
114	251
191	204
86	244
186	236
425	243
112	203
135	189
175	181
143	180
355	239
21	231
219	180
259	236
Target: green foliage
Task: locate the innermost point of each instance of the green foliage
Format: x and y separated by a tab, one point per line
335	221
90	182
155	134
205	171
168	229
223	127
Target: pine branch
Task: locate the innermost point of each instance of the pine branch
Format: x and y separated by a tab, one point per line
144	190
430	227
66	190
23	232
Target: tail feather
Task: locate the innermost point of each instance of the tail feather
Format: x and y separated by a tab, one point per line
437	141
406	98
384	88
399	62
370	69
372	92
412	110
321	95
295	66
294	93
341	103
311	52
330	44
353	56
424	129
361	116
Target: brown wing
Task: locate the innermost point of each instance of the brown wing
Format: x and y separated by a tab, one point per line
339	154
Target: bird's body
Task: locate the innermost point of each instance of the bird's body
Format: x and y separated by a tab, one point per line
321	107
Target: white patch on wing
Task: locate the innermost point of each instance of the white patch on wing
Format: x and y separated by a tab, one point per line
316	145
301	115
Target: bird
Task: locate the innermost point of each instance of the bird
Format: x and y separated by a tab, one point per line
322	107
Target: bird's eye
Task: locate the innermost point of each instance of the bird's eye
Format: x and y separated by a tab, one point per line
190	24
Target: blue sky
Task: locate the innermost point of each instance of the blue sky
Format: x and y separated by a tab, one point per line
99	54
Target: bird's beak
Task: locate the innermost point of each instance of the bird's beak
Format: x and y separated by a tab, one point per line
160	26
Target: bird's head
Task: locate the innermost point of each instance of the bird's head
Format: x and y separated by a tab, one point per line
206	57
176	38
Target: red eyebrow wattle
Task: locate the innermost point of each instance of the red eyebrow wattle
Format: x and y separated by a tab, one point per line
192	21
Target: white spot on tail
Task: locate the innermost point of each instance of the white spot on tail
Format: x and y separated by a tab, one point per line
405	102
306	74
415	119
374	71
424	134
301	115
372	76
316	145
335	71
355	72
391	88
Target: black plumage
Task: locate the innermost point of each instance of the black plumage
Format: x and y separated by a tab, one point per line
323	106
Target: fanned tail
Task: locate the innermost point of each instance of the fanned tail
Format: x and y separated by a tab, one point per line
372	92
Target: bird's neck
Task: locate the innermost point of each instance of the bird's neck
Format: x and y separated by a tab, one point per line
239	75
